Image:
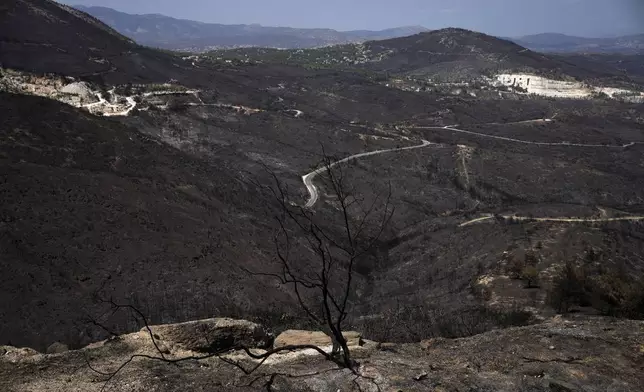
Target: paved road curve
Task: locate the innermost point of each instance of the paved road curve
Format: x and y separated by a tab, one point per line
313	190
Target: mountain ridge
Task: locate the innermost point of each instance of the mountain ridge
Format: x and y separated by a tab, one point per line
183	34
451	54
200	36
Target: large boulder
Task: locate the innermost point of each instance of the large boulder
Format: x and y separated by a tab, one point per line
214	335
57	348
294	337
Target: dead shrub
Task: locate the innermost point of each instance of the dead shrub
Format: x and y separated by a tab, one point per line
608	291
531	276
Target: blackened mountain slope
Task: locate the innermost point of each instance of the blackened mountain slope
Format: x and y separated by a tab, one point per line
620	66
451	54
450	40
42	36
63	39
89	203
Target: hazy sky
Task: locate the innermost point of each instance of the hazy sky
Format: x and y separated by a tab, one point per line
497	17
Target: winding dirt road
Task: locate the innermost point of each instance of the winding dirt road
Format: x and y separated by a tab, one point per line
573	220
131	102
125	112
314	194
308	178
509	139
102	101
489	217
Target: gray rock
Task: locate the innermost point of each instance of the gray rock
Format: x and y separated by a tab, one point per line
214	335
561	386
421	376
57	348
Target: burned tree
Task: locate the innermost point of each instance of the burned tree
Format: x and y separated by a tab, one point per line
324	284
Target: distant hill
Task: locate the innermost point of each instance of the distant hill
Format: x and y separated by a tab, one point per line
450	54
170	33
560	43
62	39
42	36
455	49
460	54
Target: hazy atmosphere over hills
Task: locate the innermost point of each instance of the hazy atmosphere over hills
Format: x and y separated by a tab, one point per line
165	32
179	34
374	210
588	18
612	30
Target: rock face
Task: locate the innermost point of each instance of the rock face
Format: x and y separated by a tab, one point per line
77	88
213	335
294	337
538	85
57	348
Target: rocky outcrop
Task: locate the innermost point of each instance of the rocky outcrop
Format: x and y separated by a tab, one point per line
78	88
16	354
213	335
576	353
294	337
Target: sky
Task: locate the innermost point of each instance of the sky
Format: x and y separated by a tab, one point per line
508	18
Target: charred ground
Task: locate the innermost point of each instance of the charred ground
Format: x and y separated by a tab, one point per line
163	209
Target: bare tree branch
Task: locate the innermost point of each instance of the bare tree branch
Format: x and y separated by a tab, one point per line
331	279
324	291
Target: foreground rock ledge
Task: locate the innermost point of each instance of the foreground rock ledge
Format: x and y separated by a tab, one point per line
579	354
293	337
213	335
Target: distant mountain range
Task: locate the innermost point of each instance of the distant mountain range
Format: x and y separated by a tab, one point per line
170	33
560	43
179	34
